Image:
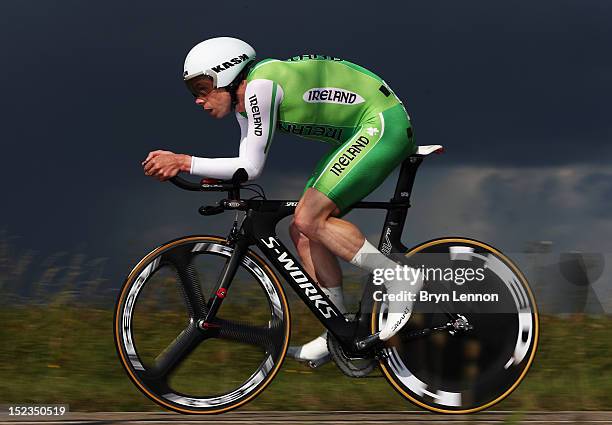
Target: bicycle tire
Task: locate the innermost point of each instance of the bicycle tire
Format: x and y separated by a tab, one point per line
425	386
272	340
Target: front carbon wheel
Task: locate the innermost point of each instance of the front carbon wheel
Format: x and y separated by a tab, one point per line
177	360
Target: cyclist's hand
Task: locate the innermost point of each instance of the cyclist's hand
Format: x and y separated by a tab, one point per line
164	165
153	154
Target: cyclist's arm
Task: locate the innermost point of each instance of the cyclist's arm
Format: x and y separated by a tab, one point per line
261	100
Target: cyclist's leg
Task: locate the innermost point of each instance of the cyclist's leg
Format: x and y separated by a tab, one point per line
348	175
351	173
329	277
314	219
327	273
362	163
341	178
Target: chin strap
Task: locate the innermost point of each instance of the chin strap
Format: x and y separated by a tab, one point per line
232	87
234	96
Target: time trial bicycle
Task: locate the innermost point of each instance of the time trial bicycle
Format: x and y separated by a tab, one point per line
202	323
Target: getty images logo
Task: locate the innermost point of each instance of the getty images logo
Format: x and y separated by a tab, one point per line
332	95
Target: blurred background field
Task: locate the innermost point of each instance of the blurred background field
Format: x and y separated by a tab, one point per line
57	347
65	354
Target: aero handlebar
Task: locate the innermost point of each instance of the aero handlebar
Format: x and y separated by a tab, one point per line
212	185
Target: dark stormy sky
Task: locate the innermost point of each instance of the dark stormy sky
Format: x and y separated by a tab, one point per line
518	91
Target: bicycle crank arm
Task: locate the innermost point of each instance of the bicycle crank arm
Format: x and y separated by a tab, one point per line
368	342
427	331
459	325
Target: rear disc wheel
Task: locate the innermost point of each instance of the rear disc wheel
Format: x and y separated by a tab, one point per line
471	370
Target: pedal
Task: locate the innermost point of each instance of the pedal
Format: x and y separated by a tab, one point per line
459	325
313	364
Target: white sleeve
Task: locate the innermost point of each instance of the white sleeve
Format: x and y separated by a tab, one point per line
261	101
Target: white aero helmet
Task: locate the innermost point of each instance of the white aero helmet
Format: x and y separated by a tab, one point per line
221	58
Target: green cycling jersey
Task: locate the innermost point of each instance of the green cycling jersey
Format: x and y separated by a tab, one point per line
327	99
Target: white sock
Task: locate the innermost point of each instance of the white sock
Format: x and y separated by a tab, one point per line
399	312
370	258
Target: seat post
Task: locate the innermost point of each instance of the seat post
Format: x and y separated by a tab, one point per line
405	181
390	238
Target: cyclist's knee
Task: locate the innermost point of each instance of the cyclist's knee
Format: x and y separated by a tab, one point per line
308	225
293	231
296	236
311	214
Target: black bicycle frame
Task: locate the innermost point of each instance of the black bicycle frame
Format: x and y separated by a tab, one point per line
259	228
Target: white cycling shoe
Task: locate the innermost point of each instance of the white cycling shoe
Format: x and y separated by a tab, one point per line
400	310
313	353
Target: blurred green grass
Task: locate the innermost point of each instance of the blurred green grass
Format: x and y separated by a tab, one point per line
66	354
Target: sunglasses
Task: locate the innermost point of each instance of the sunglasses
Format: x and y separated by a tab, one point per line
200	86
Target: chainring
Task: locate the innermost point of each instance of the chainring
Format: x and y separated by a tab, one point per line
352	367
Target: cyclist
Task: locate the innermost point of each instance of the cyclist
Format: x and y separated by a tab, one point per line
317	97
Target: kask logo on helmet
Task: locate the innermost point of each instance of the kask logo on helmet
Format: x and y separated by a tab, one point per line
232	62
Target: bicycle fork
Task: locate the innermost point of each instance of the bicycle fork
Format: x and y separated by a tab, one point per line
227	275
